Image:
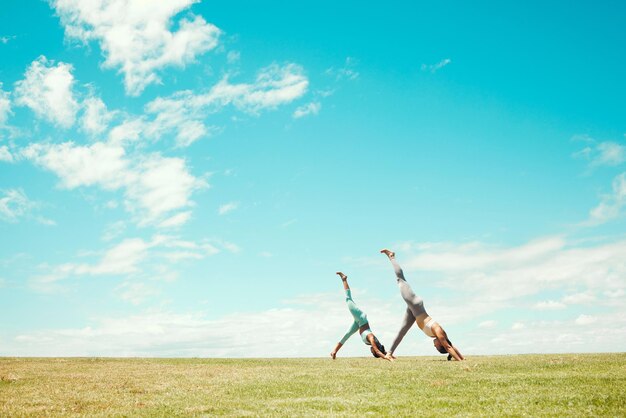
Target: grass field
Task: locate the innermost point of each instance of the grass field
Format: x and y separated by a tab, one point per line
532	385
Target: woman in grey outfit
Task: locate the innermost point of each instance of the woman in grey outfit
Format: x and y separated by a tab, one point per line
415	313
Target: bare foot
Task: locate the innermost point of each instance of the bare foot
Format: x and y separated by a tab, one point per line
343	276
387	252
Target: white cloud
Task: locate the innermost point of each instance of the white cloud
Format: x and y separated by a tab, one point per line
288	223
312	108
579	298
176	220
122	259
475	255
155	186
113	230
185	111
136	292
227	207
611	205
96	117
190	131
607	333
135	36
549	305
132	257
164	185
192	334
610	153
491	279
47	90
128	132
585	320
5	106
183	250
488	324
347	71
99	164
433	68
233	56
5	154
14	204
229	246
605	153
164	333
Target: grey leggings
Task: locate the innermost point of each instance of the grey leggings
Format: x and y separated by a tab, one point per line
415	305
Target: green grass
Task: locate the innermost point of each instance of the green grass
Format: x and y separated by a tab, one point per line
532	385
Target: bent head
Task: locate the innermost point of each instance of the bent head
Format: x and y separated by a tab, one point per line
439	347
380	347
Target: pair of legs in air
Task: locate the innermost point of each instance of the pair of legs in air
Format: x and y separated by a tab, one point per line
416	314
360	324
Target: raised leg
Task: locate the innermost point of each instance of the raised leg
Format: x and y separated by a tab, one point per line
414	302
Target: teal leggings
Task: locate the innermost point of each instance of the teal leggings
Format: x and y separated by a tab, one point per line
360	319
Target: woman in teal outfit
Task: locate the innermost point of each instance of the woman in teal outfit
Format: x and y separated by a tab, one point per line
360	323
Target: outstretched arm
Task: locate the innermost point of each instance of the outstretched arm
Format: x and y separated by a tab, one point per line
333	353
443	339
407	323
354	328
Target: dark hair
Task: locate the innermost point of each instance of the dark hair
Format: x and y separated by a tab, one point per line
379	346
441	348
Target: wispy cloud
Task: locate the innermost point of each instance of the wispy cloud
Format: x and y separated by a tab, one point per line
347	71
136	292
47	89
136	39
600	153
612	204
5	154
176	220
131	258
433	68
288	223
233	56
14	204
113	230
6	39
549	305
312	108
5	106
227	208
184	112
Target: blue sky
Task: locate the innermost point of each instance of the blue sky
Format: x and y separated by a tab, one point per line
185	181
